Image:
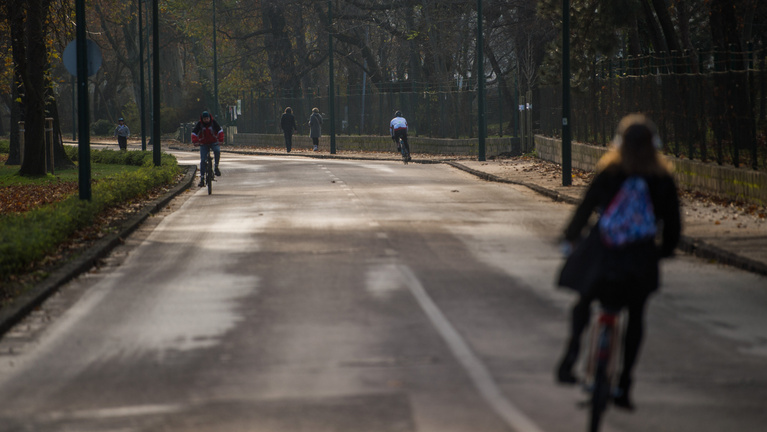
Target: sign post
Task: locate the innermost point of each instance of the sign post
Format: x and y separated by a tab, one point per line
82	58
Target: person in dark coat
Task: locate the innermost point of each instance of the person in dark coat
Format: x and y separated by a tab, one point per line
627	276
288	126
315	128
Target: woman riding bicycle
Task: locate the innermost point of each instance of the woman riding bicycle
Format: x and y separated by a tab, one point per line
626	276
208	135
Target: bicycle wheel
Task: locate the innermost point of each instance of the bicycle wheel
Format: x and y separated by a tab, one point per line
601	386
405	152
209	175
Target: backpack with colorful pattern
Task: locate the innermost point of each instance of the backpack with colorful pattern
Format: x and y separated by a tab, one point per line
630	216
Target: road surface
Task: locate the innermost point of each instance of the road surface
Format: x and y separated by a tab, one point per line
329	295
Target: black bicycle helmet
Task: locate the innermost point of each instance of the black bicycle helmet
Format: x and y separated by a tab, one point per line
398	114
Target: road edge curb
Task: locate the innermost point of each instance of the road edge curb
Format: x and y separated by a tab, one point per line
689	245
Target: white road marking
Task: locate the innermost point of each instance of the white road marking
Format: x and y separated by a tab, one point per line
477	371
105	413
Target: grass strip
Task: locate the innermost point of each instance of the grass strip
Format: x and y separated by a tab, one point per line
29	237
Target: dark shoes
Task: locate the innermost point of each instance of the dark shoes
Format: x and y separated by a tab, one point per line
217	172
621	400
565	369
566	376
621	394
201	183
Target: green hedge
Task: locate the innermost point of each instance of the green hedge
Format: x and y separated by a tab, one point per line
134	157
5	147
29	237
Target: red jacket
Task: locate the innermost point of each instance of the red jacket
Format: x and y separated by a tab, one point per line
210	133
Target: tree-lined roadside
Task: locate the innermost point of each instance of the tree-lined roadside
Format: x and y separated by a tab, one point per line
47	232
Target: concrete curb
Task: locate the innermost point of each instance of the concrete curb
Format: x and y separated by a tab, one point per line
702	249
689	245
32	298
556	196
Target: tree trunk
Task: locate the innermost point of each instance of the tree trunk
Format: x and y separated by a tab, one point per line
635	47
16	24
278	46
656	34
684	31
661	10
508	98
60	158
34	84
732	87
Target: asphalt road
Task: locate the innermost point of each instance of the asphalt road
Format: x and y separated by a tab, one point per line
328	295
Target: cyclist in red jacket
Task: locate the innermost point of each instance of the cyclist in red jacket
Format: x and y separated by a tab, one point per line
208	135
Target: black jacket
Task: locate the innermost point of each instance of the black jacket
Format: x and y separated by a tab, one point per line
288	123
638	262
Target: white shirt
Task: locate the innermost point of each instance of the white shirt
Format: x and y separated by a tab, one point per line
397	123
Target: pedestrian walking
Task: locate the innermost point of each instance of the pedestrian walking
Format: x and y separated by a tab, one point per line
315	128
617	263
288	126
122	133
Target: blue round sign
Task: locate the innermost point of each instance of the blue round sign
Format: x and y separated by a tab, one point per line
94	57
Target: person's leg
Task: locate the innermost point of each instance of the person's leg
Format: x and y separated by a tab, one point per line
316	143
288	141
631	346
405	143
203	156
216	158
123	142
579	319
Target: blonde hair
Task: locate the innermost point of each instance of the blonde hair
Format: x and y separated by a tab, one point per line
315	110
635	148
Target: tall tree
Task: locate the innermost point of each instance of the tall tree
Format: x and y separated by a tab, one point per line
15	18
34	85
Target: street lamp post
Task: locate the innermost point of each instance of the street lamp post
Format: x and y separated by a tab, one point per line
215	65
141	111
332	84
480	85
156	80
150	104
567	176
84	145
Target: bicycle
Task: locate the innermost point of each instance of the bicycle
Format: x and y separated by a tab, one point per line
405	150
602	363
209	176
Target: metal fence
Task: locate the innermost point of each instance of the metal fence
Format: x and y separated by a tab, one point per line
712	110
439	112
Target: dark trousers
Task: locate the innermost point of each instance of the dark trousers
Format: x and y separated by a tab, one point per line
288	140
122	142
634	300
401	134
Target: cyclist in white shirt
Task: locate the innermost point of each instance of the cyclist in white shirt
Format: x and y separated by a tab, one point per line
398	129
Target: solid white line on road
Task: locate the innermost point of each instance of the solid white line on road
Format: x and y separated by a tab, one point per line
106	413
477	371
